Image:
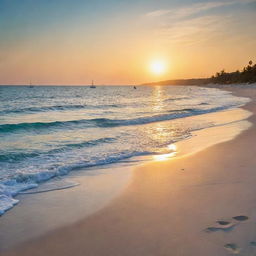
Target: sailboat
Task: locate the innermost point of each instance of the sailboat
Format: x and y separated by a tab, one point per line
92	86
30	85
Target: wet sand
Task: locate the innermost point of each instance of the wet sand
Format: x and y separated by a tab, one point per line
200	204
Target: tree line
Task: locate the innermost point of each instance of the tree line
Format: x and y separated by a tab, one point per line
247	75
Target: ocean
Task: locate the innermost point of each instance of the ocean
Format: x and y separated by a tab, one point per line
49	131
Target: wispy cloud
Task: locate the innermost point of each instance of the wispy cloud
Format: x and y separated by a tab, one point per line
194	9
157	13
186	11
195	24
195	30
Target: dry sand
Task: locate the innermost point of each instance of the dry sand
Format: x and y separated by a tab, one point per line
201	204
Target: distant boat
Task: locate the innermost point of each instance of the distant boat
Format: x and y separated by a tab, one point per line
30	85
92	86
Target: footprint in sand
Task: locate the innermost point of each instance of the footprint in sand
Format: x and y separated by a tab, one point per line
223	225
240	218
232	248
223	222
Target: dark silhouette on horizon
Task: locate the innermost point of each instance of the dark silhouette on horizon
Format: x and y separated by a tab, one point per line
247	75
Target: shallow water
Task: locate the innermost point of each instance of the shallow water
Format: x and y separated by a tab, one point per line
49	131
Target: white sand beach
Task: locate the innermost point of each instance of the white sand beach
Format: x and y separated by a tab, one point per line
201	203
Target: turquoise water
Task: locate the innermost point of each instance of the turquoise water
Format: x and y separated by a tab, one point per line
49	131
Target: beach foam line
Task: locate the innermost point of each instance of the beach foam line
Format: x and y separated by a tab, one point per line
9	188
6	203
57	184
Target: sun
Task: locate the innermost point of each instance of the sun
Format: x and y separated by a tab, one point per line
158	67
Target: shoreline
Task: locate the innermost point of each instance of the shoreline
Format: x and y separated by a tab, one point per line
30	219
96	187
30	164
144	200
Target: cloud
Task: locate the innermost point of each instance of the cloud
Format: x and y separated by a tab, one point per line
186	11
157	13
195	30
183	12
192	24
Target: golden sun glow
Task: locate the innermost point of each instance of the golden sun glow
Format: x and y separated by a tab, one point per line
158	67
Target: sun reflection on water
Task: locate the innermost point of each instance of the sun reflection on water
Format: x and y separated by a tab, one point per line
158	95
164	157
160	129
172	147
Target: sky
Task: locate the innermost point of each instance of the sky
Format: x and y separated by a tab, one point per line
71	42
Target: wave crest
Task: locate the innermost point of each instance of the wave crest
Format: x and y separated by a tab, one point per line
105	122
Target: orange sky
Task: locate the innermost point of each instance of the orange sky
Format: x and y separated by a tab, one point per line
117	43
